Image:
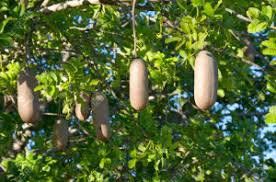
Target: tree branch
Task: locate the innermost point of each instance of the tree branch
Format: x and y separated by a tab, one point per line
44	3
78	3
243	18
133	29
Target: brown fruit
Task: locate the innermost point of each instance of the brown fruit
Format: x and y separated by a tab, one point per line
101	116
60	137
205	80
138	84
82	110
27	99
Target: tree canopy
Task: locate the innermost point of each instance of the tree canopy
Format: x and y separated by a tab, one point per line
86	46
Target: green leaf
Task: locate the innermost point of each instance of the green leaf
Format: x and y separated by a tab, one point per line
267	11
271	43
142	148
4	23
179	3
253	13
271	87
5	40
256	26
271	46
269	51
38	88
217	5
104	162
200	176
197	3
271	116
209	10
46	168
221	93
94	82
156	165
133	153
101	165
273	63
208	172
52	90
172	39
132	163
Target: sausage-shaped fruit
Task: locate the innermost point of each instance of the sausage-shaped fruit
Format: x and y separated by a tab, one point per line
82	109
27	99
138	84
100	113
205	80
60	136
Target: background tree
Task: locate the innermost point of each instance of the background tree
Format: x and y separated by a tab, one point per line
86	46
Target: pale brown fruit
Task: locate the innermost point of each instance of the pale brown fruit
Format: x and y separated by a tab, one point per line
27	100
205	80
60	136
82	110
103	131
138	84
100	116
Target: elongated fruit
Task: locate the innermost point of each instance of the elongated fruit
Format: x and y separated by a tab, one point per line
205	80
82	109
138	84
60	136
101	115
27	99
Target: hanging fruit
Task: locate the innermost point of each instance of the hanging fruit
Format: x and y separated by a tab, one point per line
100	116
60	136
27	99
205	80
138	84
82	109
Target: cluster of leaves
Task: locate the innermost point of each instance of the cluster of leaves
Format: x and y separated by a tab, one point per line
8	78
67	83
168	141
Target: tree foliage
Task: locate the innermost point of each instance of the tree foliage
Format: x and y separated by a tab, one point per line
86	46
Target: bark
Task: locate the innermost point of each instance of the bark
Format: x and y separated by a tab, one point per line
78	3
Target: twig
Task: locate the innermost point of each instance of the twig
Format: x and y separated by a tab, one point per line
45	3
243	18
50	114
239	16
83	29
78	3
27	47
133	28
172	25
67	4
242	59
85	132
252	64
